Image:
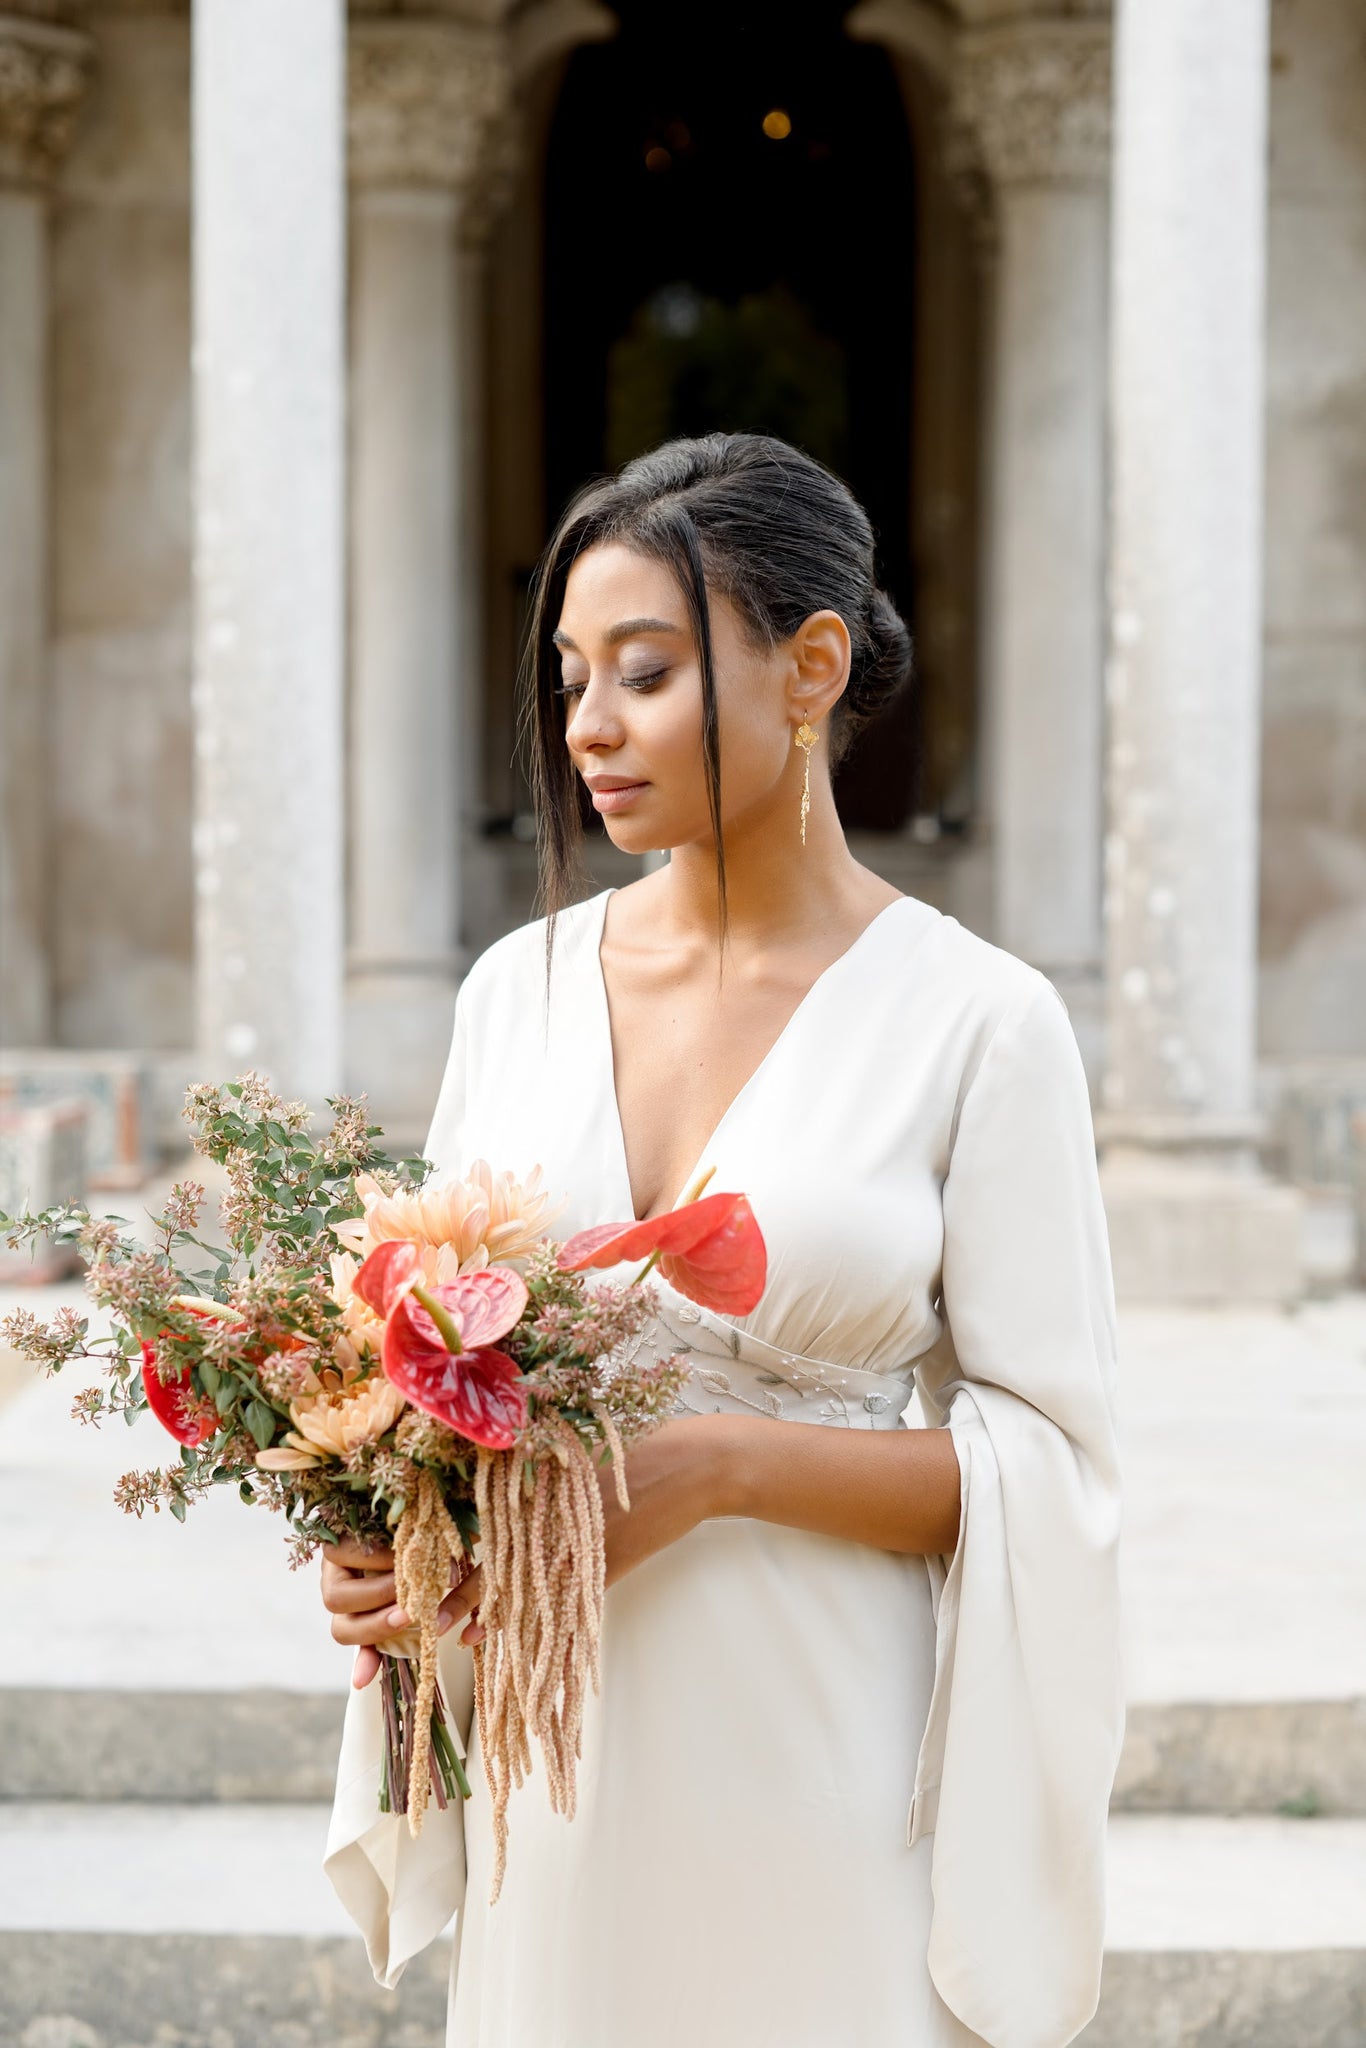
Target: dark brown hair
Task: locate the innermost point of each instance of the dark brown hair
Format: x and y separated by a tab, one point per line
747	515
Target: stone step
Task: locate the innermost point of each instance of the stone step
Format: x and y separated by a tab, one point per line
215	1925
1295	1757
257	1745
1302	1757
212	1991
1233	1933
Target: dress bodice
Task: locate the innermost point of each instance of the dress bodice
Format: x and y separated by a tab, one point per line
840	1137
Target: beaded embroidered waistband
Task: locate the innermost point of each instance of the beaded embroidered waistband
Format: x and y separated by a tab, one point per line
734	1372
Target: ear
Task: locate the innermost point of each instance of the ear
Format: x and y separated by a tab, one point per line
821	652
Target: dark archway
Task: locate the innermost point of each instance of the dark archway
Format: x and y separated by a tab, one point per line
729	223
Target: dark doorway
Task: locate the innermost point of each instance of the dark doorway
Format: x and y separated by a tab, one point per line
729	219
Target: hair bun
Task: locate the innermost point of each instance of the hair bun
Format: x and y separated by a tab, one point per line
882	668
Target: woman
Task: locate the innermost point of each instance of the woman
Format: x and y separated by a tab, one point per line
846	1780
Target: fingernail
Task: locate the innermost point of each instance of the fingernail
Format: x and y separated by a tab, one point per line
443	1622
396	1618
473	1634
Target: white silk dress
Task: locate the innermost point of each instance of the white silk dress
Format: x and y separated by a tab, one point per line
830	1796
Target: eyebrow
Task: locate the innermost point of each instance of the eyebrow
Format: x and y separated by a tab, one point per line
625	629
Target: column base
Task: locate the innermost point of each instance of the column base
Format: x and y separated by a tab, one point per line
398	1033
1193	1232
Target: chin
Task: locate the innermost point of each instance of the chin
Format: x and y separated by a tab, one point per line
629	837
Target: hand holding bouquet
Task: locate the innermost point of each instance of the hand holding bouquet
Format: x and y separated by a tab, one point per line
389	1361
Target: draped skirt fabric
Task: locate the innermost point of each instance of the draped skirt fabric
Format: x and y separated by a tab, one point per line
737	1873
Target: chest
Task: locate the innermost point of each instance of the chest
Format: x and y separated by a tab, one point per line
682	1051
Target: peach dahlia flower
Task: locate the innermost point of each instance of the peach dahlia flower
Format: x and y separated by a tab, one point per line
484	1219
334	1424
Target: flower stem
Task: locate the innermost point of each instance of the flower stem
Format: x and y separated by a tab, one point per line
450	1336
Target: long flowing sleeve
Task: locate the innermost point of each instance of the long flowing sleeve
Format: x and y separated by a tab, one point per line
1026	1716
399	1891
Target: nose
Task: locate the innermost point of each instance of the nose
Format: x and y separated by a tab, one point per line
593	725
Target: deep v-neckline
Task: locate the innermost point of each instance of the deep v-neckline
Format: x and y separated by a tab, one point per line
746	1087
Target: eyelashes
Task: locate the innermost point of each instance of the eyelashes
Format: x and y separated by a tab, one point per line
642	683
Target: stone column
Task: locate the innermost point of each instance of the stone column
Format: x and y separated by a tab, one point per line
268	118
429	143
44	73
1031	110
1191	1215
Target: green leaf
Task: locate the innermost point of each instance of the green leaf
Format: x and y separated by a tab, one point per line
210	1377
225	1397
260	1420
244	1489
177	1507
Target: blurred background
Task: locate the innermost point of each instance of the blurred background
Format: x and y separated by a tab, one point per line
311	319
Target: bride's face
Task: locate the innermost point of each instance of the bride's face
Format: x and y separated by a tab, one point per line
633	703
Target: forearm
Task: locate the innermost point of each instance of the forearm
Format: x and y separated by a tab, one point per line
896	1489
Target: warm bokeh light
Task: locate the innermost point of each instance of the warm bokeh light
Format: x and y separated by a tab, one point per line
777	125
657	159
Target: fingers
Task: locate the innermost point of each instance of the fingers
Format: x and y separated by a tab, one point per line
464	1601
348	1592
358	1630
459	1604
365	1667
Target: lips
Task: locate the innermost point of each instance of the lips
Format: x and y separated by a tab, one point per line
614	792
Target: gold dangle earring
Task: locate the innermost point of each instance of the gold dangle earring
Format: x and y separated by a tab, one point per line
805	738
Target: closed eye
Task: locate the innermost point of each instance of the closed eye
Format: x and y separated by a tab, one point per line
647	682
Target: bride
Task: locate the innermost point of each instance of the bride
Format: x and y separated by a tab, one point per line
845	1782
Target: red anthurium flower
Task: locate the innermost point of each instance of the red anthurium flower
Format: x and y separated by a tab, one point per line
175	1404
478	1391
387	1275
711	1250
482	1306
189	1416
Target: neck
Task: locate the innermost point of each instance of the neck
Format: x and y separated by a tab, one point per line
774	884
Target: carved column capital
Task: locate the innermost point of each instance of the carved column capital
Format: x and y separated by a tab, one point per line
45	72
1031	102
429	107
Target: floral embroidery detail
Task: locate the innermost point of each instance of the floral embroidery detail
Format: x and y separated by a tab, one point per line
813	1389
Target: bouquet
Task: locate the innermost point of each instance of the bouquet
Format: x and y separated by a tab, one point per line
414	1365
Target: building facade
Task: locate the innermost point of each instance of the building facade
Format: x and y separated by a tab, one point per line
310	319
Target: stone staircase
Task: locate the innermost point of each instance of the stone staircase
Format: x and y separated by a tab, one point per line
170	1701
